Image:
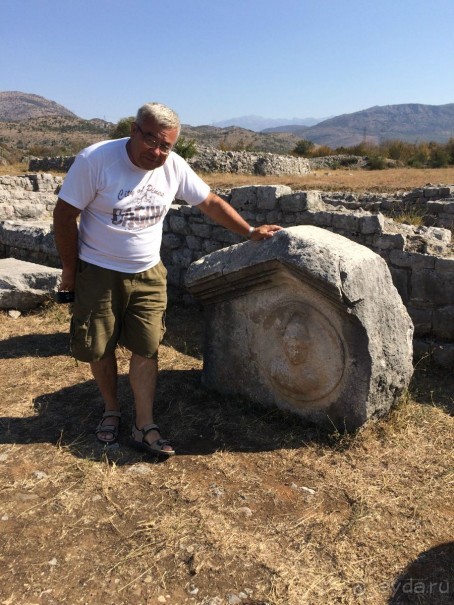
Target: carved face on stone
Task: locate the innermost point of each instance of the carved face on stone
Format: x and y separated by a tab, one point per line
296	340
305	359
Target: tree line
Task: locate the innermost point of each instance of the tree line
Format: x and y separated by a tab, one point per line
424	154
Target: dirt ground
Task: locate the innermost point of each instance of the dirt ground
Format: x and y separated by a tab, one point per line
257	507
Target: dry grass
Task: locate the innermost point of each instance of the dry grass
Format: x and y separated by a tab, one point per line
256	502
379	181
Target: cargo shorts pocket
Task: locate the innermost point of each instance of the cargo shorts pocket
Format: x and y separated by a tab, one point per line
80	338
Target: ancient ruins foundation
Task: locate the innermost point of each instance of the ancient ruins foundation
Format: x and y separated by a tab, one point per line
420	258
308	321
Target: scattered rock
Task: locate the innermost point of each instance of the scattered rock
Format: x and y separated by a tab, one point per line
245	511
139	469
307	490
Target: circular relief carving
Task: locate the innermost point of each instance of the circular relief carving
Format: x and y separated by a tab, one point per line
301	354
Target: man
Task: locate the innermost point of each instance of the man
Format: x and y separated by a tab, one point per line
122	190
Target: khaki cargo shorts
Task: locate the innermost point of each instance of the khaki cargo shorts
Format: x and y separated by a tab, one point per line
113	308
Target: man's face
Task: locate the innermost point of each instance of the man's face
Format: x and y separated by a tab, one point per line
149	143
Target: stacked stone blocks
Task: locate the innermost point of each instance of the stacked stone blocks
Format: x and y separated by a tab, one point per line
420	258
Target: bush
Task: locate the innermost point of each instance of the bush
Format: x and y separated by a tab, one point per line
376	162
397	150
122	128
322	151
186	148
303	148
439	157
420	156
450	150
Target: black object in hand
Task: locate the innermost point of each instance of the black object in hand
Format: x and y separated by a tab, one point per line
64	297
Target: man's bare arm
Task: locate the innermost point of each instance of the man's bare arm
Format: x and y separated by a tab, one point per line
66	240
221	212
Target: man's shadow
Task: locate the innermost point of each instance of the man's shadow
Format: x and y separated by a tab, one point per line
429	580
198	421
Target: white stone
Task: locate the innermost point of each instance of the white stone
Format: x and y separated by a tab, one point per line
25	285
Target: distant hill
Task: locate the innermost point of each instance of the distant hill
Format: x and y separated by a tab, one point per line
49	136
33	125
234	138
410	122
18	106
259	124
298	130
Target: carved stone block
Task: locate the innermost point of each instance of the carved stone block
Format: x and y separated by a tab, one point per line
307	321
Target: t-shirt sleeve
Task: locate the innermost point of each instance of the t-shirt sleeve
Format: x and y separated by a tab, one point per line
192	189
79	187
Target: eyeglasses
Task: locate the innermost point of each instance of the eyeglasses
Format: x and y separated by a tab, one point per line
154	143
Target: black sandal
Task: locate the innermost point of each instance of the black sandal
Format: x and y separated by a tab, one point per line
155	448
108	428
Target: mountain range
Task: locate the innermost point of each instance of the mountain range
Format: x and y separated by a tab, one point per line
411	122
30	124
260	124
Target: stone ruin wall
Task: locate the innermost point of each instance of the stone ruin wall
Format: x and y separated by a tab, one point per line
209	159
420	259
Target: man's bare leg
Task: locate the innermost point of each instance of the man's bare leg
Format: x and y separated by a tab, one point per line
105	374
143	375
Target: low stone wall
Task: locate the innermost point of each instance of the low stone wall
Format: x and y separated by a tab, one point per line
56	164
243	162
208	160
420	259
433	205
31	196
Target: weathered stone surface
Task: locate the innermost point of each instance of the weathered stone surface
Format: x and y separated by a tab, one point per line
307	320
25	285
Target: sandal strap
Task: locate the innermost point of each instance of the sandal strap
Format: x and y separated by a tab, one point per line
106	428
111	414
147	428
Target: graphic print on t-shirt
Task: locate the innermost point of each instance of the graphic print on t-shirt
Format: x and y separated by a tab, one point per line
143	210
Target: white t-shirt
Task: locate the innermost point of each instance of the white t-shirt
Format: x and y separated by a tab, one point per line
123	206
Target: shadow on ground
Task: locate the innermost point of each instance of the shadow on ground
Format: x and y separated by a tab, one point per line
432	385
427	580
39	345
199	422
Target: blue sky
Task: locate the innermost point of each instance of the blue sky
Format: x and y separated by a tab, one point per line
211	60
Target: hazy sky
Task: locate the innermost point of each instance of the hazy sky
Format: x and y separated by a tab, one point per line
216	59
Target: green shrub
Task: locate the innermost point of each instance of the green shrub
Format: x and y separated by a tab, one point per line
303	148
450	150
186	148
122	128
376	162
439	158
